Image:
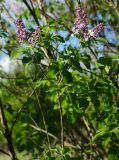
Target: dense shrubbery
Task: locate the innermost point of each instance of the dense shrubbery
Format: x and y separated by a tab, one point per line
61	101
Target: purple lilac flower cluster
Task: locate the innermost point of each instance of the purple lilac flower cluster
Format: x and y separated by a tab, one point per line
81	21
24	35
35	37
22	32
94	33
81	26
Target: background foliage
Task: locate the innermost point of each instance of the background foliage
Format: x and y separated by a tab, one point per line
60	98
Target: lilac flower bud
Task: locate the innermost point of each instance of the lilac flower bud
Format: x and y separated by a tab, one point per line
22	32
80	22
35	37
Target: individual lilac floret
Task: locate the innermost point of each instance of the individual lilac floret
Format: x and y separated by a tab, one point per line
22	32
35	37
94	33
80	22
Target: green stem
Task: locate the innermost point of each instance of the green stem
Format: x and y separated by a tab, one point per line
61	121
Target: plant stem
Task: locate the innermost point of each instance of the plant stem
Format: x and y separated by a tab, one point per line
32	11
61	112
61	122
7	134
44	121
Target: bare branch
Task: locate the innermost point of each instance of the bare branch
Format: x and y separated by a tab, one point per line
31	11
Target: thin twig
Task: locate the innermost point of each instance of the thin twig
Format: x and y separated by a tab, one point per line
18	113
40	107
54	137
61	121
12	91
4	152
31	11
15	78
92	52
44	121
44	18
61	111
117	76
43	131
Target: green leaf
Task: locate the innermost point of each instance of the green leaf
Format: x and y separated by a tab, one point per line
106	142
112	157
58	38
102	40
3	33
42	83
19	52
68	76
105	61
26	59
115	56
100	133
115	130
